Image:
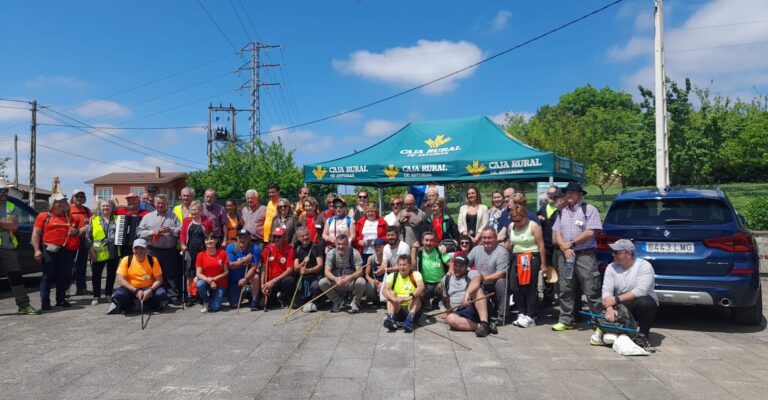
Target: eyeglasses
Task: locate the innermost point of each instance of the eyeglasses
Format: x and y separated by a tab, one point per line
408	204
464	243
397	203
362	197
615	252
80	196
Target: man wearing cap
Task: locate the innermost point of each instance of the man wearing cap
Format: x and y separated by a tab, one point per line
629	282
182	210
216	213
338	224
53	234
133	215
547	215
77	209
161	230
463	286
492	262
254	215
343	268
278	259
9	257
243	256
273	191
308	264
574	231
374	271
139	277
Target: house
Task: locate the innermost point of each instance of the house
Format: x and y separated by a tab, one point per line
22	192
117	185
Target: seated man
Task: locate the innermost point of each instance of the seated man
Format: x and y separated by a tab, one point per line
374	271
461	288
308	264
344	268
492	262
243	258
629	282
403	291
430	261
277	259
139	277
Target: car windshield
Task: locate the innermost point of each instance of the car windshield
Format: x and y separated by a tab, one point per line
670	212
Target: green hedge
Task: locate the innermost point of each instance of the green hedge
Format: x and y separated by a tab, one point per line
756	214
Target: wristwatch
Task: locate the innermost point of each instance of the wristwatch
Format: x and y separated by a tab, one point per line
617	299
573	244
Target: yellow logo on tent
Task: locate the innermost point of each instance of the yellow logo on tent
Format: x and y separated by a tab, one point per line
319	172
438	141
476	168
391	171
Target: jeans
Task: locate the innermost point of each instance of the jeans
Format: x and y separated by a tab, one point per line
233	291
96	269
57	270
126	301
214	299
80	264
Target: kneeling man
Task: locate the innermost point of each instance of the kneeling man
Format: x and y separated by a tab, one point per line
403	291
460	288
139	277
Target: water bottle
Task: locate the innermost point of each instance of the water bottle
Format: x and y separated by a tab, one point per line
570	263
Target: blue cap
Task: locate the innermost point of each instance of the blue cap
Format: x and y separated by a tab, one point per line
379	242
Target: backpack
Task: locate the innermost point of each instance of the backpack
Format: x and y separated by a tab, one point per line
151	261
448	284
397	275
332	221
351	260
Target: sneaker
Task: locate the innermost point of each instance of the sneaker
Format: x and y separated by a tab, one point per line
64	304
255	305
309	307
389	323
82	292
442	306
29	310
559	327
46	306
95	301
484	329
353	307
204	308
642	340
518	320
527	322
408	325
113	309
597	338
493	326
336	307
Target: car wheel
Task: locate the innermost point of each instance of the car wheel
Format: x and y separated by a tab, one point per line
752	315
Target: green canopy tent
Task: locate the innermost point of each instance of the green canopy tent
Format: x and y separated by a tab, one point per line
456	150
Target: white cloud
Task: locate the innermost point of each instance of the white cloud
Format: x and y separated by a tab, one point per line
101	108
14	114
415	65
722	42
46	81
303	141
500	20
501	118
381	127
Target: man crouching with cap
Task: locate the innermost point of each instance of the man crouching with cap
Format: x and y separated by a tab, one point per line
139	278
459	289
629	282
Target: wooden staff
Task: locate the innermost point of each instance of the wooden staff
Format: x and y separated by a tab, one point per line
263	278
309	302
432	314
447	337
298	284
242	290
142	314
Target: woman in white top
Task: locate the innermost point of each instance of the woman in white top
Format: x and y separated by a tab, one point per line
339	224
397	205
473	216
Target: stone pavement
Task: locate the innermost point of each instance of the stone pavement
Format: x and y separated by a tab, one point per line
80	353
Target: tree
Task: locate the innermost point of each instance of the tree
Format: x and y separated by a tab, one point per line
237	168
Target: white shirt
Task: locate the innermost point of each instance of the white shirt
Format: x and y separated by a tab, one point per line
638	279
391	218
402	248
370	233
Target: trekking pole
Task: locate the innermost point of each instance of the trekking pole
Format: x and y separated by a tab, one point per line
506	300
264	277
184	255
451	309
242	290
309	302
298	284
141	304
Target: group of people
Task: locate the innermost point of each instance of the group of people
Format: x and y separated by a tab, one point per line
473	268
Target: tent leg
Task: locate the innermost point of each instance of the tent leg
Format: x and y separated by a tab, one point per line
551	180
381	199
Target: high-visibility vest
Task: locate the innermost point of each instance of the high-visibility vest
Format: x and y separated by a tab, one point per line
179	212
100	246
9	208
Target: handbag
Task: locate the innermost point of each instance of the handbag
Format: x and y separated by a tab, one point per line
524	268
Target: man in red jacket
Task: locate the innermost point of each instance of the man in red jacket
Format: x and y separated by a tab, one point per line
277	270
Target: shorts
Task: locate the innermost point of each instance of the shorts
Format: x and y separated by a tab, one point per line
469	312
401	314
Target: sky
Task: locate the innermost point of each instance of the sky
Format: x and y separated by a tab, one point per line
116	66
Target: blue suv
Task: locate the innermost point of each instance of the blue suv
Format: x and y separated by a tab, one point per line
697	244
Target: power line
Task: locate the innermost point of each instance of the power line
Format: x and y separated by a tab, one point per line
15	108
14	100
81	156
485	60
242	25
217	25
143	128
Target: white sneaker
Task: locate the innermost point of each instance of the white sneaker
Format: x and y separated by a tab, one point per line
353	307
518	320
527	322
441	305
204	308
511	300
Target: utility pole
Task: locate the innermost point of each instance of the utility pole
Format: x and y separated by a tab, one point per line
221	134
254	66
662	136
33	156
16	161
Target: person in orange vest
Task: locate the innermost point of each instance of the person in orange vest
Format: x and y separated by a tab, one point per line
77	209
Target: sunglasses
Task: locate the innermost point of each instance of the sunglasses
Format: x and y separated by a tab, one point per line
464	243
615	252
362	197
397	203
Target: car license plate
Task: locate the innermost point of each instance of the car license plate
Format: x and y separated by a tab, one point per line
669	247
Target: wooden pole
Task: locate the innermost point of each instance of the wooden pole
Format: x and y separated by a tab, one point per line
311	301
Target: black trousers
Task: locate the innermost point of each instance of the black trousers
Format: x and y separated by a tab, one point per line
643	310
526	296
96	269
286	287
172	277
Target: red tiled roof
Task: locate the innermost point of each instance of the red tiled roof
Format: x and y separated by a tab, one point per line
136	177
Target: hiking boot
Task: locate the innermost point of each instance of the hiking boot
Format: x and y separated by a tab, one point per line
64	304
28	310
597	338
493	327
559	327
353	307
336	307
389	323
642	340
408	325
484	329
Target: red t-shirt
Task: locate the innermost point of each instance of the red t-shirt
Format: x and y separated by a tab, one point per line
57	229
279	259
213	265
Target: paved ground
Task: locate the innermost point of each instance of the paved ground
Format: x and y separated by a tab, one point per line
81	353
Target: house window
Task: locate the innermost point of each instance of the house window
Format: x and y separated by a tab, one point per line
104	193
138	190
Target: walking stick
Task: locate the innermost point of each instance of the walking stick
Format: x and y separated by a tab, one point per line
141	302
242	290
309	302
446	337
451	309
184	256
506	300
301	275
263	278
